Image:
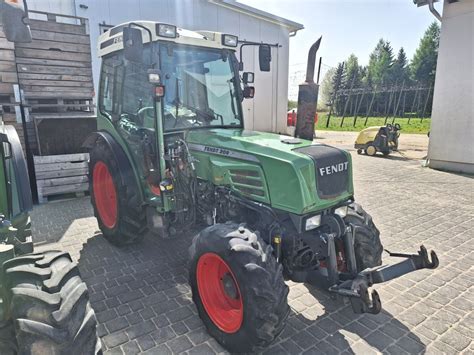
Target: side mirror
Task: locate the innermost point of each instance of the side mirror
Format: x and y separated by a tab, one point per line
132	44
264	57
15	23
248	77
249	92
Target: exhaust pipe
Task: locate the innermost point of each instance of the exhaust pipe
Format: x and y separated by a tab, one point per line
308	98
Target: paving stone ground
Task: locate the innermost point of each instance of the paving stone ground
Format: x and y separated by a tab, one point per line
143	301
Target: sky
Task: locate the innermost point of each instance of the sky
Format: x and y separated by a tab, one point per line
349	26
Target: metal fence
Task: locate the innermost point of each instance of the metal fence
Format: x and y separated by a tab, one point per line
390	102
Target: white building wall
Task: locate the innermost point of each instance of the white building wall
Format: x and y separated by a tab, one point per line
451	144
267	111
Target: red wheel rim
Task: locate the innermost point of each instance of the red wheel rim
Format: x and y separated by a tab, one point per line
220	293
105	195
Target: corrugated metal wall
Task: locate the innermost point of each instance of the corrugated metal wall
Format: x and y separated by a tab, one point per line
267	111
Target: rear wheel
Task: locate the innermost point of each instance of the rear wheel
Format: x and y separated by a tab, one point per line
121	219
370	150
367	245
48	307
238	287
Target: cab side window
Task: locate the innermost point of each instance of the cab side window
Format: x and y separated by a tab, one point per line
111	80
138	103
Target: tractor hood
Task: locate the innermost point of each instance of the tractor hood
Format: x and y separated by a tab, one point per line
296	176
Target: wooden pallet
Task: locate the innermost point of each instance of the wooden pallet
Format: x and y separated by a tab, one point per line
61	174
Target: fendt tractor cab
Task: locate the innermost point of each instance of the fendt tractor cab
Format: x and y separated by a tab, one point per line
171	152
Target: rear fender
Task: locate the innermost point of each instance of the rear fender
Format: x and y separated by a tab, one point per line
20	171
128	176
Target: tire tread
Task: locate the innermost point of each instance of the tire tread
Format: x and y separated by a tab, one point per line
49	305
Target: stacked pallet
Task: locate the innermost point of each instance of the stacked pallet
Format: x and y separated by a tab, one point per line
61	174
55	73
8	79
56	65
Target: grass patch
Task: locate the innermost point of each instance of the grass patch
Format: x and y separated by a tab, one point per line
415	126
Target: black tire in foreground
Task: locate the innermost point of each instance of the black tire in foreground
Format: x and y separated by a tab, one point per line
48	305
367	245
238	287
121	218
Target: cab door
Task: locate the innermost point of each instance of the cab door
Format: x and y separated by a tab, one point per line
129	97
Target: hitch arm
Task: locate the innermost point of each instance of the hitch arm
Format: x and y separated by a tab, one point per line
413	262
364	300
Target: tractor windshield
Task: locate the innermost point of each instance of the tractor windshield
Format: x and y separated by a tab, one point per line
201	89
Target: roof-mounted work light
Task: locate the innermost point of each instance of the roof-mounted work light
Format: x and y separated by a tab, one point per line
229	40
164	30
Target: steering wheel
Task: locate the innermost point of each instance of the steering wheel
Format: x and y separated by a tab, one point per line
397	127
389	126
145	112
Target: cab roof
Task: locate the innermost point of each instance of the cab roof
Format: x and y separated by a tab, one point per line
111	41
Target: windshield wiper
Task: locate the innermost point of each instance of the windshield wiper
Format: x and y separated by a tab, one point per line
208	116
176	98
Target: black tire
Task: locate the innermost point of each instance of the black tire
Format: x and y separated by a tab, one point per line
385	154
367	245
131	225
260	281
48	305
359	151
7	339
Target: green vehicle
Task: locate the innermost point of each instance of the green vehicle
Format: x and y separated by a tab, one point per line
171	153
44	304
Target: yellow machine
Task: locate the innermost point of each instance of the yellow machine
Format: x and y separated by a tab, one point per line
383	139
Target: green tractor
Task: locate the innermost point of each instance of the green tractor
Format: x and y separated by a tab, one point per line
44	304
171	153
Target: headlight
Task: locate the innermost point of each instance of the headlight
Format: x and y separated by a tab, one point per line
341	211
229	40
313	222
165	30
154	78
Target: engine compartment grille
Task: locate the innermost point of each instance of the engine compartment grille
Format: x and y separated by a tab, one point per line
247	182
331	169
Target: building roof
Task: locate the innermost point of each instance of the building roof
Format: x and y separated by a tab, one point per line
422	2
266	16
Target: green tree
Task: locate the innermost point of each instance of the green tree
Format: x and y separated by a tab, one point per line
423	64
400	72
292	104
326	89
380	63
352	72
338	77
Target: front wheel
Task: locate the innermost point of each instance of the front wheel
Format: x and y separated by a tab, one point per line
238	287
367	245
